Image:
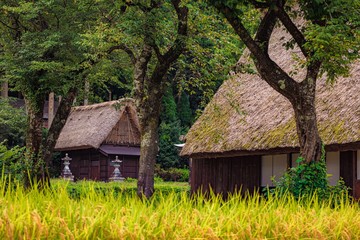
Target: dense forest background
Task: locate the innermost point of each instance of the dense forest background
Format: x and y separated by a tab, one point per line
170	56
211	51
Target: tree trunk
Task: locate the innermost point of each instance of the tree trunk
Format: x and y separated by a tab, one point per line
36	173
149	90
149	150
57	125
306	123
5	89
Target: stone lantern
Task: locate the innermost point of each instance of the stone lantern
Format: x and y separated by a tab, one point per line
116	175
66	173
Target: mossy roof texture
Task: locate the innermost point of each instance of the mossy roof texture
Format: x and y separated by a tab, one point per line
247	116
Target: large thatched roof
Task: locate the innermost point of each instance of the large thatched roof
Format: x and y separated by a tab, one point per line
113	122
246	116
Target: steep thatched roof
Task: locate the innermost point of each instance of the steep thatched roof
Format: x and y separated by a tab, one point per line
113	122
246	116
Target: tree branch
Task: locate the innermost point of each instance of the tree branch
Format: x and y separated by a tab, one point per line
7	25
125	49
291	27
57	125
265	30
258	4
179	44
140	71
141	6
156	48
268	69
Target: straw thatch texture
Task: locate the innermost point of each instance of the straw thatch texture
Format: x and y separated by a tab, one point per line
246	116
126	131
89	126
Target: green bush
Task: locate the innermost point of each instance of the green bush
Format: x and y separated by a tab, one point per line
130	180
12	124
173	174
158	179
306	179
12	165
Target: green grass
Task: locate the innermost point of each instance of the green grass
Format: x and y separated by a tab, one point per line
55	214
81	188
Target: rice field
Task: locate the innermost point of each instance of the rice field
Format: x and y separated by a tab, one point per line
54	214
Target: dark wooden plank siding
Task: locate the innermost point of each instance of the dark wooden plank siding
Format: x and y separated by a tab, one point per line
129	166
91	164
348	168
224	175
356	180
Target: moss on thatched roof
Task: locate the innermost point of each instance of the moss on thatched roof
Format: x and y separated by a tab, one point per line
90	126
246	116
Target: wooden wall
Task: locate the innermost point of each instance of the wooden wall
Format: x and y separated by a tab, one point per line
91	164
129	166
348	171
224	175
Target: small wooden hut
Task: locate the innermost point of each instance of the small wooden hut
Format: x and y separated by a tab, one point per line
247	133
94	134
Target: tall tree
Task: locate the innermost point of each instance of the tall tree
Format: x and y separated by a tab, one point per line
41	53
329	42
150	87
153	35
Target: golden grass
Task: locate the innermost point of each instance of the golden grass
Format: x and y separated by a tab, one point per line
54	215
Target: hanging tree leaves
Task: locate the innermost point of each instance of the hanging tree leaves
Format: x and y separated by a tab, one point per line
329	42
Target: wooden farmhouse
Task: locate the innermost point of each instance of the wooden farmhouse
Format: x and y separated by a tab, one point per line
95	134
247	133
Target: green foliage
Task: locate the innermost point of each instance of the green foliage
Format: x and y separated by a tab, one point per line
213	49
12	124
306	179
12	165
331	31
82	189
89	213
158	179
130	180
42	50
168	153
184	111
334	38
56	165
169	113
169	133
172	174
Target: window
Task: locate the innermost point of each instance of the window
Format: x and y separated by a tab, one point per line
272	166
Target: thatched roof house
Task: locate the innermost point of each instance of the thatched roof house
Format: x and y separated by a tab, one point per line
94	134
247	117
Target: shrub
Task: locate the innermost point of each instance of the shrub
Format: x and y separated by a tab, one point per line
130	180
306	179
158	179
12	123
172	174
11	162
